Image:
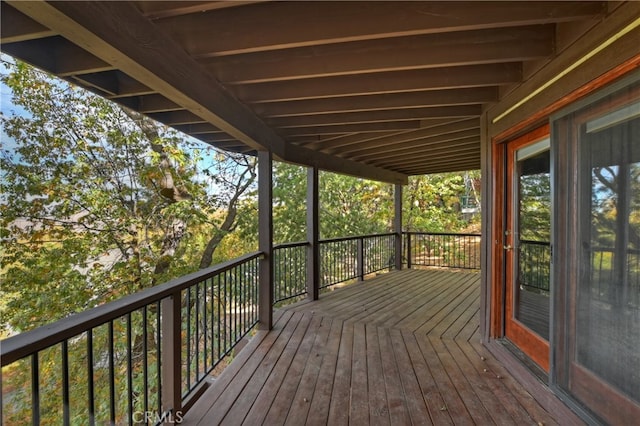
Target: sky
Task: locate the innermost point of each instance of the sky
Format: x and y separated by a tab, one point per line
6	106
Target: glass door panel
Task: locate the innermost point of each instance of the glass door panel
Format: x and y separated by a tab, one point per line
598	309
527	248
607	338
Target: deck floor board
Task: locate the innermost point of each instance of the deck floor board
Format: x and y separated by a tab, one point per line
399	349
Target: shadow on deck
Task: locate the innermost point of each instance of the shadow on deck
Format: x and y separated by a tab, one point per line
402	348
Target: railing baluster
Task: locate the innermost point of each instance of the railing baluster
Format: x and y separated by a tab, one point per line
35	389
159	353
212	297
205	325
145	363
188	336
219	322
66	413
90	385
112	376
360	254
129	370
196	345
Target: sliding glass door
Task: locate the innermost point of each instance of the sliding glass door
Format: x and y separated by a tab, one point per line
598	304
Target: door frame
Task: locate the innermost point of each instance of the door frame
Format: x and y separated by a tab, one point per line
498	314
533	345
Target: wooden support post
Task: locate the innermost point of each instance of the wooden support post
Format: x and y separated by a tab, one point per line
360	259
397	225
265	239
409	250
313	249
171	352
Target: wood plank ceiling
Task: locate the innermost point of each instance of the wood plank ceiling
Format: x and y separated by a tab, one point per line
376	89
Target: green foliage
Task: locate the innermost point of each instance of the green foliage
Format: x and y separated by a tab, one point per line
432	203
535	207
351	206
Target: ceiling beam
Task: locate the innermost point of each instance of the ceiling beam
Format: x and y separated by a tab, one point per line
427	132
377	116
351	128
417	146
16	26
441	164
117	33
384	82
216	137
325	144
286	25
149	103
172	118
56	55
167	9
402	53
445	168
427	98
464	146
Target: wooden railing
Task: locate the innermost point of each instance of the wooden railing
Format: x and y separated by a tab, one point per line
289	271
138	358
352	258
145	358
446	250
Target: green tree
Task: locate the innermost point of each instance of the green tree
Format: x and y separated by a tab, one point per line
99	202
432	203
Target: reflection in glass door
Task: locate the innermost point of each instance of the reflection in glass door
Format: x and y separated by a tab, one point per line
527	248
598	355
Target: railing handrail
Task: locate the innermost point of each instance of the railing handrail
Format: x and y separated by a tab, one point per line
290	245
356	237
536	243
24	344
457	234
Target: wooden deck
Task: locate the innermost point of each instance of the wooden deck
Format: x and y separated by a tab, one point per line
402	348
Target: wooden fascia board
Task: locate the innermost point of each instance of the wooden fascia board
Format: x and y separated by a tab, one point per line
118	34
623	49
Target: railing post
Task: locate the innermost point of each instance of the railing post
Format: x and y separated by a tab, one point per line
409	250
360	259
313	249
171	354
265	239
397	225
